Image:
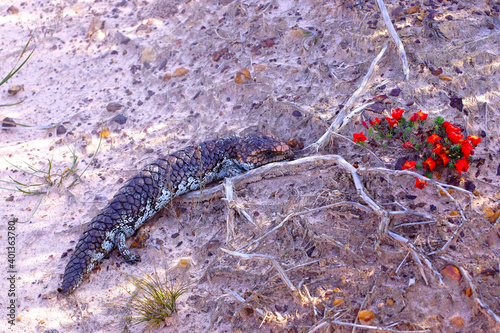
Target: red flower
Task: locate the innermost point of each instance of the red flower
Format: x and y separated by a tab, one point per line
439	149
444	158
449	127
408	145
420	184
359	137
455	137
396	114
364	124
391	122
462	165
374	122
429	164
433	138
422	115
474	139
467	149
418	116
409	165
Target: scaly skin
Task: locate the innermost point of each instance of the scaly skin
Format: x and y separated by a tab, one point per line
155	186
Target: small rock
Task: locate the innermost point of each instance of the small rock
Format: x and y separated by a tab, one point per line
15	89
491	26
433	208
377	107
296	113
456	102
179	244
400	162
268	42
148	55
180	72
135	68
10	198
7	120
411	196
469	186
498	170
113	106
12	10
175	235
60	130
120	119
436	72
395	92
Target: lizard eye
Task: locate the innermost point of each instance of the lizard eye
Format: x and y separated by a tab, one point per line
269	153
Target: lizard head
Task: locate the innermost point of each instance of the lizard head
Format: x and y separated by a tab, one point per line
259	149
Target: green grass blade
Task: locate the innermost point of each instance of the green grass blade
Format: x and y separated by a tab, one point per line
79	177
15	70
34	210
2	105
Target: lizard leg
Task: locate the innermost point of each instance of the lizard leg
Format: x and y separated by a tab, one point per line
124	249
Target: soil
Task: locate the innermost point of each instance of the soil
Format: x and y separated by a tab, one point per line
156	76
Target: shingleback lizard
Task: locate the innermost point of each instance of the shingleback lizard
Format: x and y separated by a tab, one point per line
155	186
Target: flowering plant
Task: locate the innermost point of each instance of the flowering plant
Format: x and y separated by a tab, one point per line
444	144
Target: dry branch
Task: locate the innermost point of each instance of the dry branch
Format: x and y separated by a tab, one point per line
271	260
340	119
395	38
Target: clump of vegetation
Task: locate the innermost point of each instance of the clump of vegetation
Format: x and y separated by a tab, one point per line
154	299
45	180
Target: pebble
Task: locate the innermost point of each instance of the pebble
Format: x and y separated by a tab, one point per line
9	120
113	106
60	130
120	119
395	92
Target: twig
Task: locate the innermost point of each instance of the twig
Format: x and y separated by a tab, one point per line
395	38
439	185
342	246
378	328
215	313
496	224
384	216
338	121
228	187
270	259
406	243
241	299
308	296
264	284
289	216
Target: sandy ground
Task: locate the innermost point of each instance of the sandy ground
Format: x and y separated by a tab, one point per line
184	72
